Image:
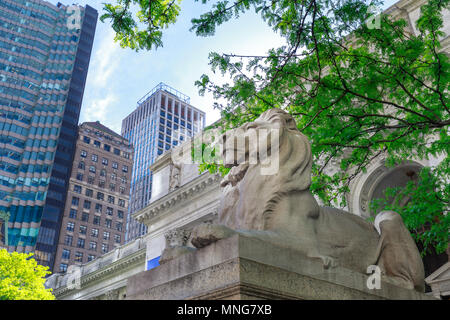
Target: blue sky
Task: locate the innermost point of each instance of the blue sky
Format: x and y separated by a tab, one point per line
118	77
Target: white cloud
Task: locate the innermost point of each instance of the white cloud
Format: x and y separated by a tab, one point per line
100	109
105	60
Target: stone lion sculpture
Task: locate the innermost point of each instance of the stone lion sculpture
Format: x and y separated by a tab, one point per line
281	209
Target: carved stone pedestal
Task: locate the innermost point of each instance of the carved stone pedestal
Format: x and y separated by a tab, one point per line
246	268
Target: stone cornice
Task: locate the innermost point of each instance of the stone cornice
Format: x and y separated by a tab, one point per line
161	162
112	268
184	193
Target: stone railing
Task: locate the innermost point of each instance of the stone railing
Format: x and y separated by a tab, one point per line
106	265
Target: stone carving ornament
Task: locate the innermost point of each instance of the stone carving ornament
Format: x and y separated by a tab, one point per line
176	244
175	176
280	208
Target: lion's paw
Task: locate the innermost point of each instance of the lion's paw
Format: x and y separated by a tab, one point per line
207	233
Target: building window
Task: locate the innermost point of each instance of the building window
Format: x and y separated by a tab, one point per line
80	176
103	173
122	190
89	193
83	154
120	214
85	217
93	246
70	226
94	232
87	139
80	243
119	226
124	180
117	151
100	196
113	177
101	184
108	223
63	267
81	165
96	220
125	168
68	240
126	155
97	143
104	247
115	165
77	188
91	180
73	214
83	229
111	199
117	238
87	204
109	211
92	169
94	158
90	257
107	147
112	187
65	254
105	161
98	208
78	256
106	235
75	201
121	203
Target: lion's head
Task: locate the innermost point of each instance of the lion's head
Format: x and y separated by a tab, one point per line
271	141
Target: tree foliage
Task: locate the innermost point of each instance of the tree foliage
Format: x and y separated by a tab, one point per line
21	278
356	89
144	29
426	213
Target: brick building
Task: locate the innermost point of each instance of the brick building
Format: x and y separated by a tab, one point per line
97	201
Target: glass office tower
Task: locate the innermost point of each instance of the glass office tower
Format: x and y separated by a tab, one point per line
44	58
150	128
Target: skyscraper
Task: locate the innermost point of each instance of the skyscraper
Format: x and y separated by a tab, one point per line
44	58
162	119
